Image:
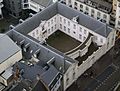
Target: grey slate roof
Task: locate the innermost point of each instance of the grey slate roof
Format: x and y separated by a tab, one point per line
7	48
50	74
44	3
34	22
67	12
30	72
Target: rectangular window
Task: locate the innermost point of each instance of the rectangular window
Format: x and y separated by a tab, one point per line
119	23
64	28
87	9
67	81
51	28
80	36
48	31
81	6
36	31
68	23
37	38
74	26
96	38
55	19
80	29
68	30
92	11
75	3
52	21
48	24
74	32
55	26
85	31
64	21
33	34
60	26
84	38
101	40
104	16
98	14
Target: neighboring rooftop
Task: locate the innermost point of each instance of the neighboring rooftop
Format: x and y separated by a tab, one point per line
59	8
45	53
7	48
102	5
44	3
47	73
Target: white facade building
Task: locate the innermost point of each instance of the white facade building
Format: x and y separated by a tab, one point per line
88	7
77	25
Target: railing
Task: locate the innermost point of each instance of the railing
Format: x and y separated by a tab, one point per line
81	48
84	47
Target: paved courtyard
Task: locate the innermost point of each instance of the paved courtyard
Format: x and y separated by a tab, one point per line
6	22
62	42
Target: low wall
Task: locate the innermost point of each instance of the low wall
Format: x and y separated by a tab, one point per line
80	50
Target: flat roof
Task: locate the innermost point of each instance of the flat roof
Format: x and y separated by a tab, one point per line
58	8
7	48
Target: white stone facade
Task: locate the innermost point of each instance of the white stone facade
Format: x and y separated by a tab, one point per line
89	10
78	32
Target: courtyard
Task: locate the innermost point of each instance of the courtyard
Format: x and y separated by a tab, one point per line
62	41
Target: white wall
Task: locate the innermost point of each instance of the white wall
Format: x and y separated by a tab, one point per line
50	26
67	26
80	30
